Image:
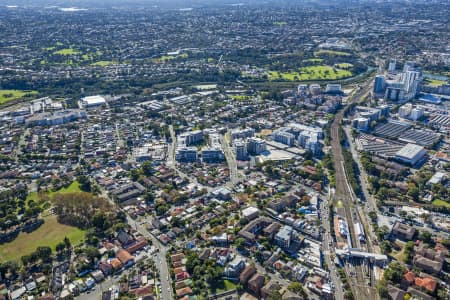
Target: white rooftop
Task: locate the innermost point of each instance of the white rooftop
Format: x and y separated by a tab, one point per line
410	151
93	100
249	211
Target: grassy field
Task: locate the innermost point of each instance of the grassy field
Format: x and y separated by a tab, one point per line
343	65
72	188
166	58
442	203
104	63
434	82
67	51
241	97
311	73
314	60
331	52
399	255
224	286
9	95
49	234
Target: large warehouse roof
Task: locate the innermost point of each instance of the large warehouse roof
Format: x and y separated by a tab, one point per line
410	151
93	100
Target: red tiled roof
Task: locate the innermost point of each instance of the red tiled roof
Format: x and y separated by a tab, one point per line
427	283
409	276
184	291
124	256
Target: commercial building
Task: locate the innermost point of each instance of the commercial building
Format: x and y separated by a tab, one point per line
380	85
310	141
284	236
315	89
411	154
373	114
411	79
190	137
283	136
405	110
92	101
416	114
392	66
240	150
241	133
212	155
55	118
256	146
362	124
333	88
395	93
186	154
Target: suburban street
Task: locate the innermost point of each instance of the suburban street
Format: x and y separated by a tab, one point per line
160	259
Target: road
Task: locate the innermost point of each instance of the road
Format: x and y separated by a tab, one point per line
161	262
345	194
160	259
235	177
171	148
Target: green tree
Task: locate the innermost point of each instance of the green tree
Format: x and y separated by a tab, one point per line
297	288
60	247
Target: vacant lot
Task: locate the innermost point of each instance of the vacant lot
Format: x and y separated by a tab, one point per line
49	234
9	95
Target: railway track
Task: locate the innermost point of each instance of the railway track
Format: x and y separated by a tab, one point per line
345	194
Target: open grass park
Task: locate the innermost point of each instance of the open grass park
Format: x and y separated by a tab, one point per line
441	203
67	51
311	73
48	234
434	82
9	95
331	53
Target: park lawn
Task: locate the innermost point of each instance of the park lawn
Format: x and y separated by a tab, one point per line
67	51
223	286
9	95
166	58
314	60
72	188
441	203
104	63
344	65
331	52
241	97
399	255
311	73
49	234
434	82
